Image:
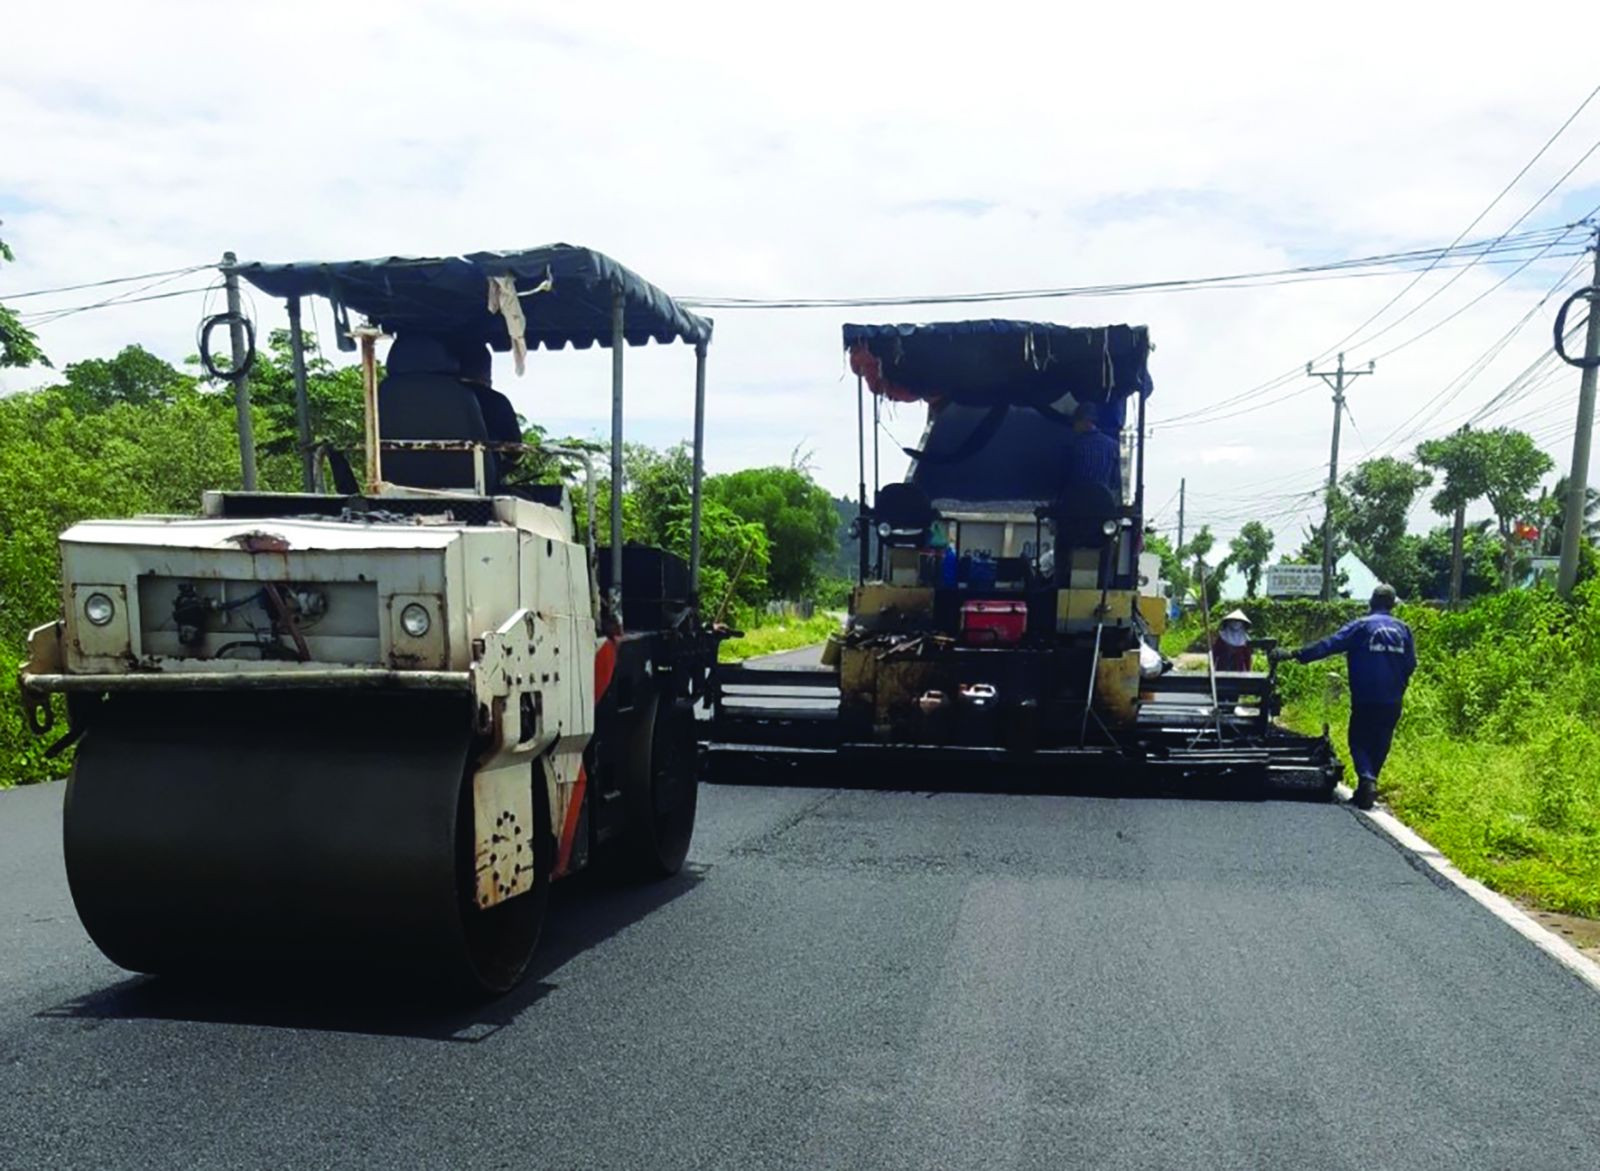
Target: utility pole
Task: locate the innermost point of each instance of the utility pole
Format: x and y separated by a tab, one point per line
241	387
1578	478
1182	485
1337	379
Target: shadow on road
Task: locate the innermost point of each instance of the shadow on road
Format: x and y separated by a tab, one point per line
584	911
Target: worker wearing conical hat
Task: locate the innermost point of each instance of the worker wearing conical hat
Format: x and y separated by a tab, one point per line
1230	650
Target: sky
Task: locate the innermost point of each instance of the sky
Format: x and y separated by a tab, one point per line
836	149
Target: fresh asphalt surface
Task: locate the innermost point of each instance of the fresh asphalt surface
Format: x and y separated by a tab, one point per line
859	978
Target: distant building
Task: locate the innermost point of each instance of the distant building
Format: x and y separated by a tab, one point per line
1359	580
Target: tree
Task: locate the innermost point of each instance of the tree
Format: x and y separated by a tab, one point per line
1194	553
18	346
1173	570
1249	552
798	516
1431	571
1464	459
1310	551
735	553
1515	465
134	376
1375	499
334	397
660	482
1551	512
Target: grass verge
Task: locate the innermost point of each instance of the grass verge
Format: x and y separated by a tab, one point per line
779	635
1497	757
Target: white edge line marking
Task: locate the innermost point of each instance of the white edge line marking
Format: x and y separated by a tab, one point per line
1498	905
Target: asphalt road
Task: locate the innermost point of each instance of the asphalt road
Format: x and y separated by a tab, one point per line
859	979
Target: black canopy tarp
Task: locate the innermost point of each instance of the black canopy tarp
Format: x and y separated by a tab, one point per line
989	362
448	296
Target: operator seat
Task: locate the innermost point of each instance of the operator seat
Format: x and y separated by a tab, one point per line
1080	511
422	396
498	414
905	508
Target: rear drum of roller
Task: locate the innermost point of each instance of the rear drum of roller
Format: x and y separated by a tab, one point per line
324	834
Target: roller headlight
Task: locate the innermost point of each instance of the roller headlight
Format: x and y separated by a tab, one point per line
99	609
414	620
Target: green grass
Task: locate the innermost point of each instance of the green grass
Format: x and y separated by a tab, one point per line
1182	633
779	635
1497	758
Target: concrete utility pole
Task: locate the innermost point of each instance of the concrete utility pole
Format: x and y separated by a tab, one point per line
1183	484
241	388
1336	379
1578	477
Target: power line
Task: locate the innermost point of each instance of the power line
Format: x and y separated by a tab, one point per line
118	280
1203	415
1462	271
1288	376
56	315
1476	250
1458	384
1477	219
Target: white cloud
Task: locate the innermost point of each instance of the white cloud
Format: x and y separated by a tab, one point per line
820	149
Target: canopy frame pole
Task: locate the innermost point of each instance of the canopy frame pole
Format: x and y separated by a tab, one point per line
369	394
877	429
618	341
302	402
241	385
699	472
863	528
1138	490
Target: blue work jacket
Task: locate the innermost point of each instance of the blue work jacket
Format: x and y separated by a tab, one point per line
1381	654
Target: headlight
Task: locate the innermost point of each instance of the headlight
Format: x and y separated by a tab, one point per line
414	620
884	530
98	608
1109	528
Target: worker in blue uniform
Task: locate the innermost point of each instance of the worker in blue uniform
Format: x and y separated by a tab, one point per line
1094	457
1381	655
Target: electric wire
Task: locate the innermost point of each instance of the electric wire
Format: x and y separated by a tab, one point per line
1430	409
48	318
1476	251
1280	380
119	280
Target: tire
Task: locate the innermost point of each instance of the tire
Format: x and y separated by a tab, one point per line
660	787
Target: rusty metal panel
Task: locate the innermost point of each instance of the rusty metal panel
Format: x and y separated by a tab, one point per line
503	833
1116	688
107	645
411	652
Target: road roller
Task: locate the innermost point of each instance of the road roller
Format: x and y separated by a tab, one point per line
361	728
1005	623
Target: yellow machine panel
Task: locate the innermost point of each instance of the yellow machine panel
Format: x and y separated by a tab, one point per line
1080	609
1116	688
887	607
1154	613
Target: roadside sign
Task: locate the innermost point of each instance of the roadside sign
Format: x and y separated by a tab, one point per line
1294	581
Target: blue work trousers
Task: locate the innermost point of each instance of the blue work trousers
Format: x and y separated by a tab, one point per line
1371	733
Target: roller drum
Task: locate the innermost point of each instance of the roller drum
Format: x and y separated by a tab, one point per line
321	833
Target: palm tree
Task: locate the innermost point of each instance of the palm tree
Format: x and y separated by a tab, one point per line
1551	508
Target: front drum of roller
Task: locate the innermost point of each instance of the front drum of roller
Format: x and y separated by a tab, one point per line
322	834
